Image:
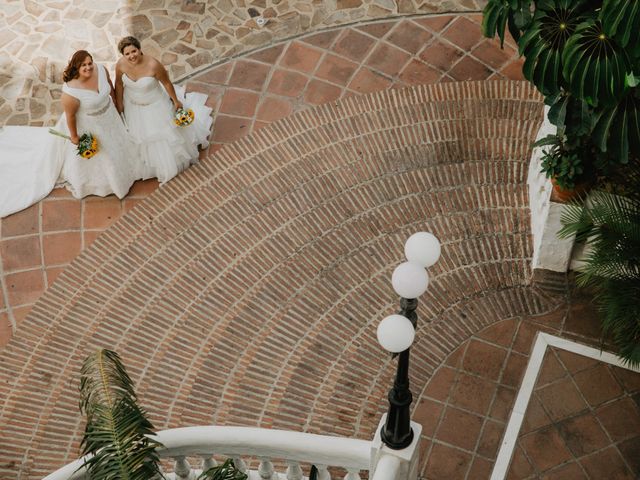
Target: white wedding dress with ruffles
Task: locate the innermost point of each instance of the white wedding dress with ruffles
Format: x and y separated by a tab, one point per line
165	149
33	162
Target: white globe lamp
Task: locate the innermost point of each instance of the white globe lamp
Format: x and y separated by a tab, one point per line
410	280
395	333
422	248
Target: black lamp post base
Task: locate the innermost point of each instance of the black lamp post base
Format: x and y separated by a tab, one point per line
396	443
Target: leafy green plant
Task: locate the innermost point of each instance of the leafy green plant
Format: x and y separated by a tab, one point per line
610	226
584	57
117	433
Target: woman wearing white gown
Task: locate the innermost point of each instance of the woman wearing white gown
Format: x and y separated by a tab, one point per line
148	100
33	162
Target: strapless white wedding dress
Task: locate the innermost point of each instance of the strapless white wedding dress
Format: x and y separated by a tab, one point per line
33	162
165	149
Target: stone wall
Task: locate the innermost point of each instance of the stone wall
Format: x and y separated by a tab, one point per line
188	36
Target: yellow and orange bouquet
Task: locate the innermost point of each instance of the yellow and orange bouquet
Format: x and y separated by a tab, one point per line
183	117
87	146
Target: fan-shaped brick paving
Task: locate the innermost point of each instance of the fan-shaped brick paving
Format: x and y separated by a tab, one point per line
247	291
246	94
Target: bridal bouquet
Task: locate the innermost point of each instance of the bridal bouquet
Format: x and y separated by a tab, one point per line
183	117
87	146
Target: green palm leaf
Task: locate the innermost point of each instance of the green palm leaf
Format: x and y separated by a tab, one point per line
621	20
617	128
116	433
226	471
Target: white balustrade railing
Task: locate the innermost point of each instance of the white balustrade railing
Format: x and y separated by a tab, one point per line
291	448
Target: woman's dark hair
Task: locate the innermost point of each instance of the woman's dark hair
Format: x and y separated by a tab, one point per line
127	42
73	68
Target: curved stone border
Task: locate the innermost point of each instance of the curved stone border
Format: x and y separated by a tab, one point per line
247	291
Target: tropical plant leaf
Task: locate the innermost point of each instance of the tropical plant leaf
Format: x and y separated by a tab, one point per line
226	471
617	128
116	433
621	20
595	65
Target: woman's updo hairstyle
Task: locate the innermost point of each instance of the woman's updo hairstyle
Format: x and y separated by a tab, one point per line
127	42
73	68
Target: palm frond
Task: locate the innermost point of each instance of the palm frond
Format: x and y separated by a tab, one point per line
226	471
116	433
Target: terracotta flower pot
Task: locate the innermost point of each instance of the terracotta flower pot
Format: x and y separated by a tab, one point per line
561	195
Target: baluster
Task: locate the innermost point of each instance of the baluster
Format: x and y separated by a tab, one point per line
208	462
294	472
323	473
352	474
240	465
266	470
182	469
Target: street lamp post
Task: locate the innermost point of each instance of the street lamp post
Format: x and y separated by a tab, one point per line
396	333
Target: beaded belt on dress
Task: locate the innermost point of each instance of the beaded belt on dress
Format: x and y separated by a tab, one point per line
140	104
99	112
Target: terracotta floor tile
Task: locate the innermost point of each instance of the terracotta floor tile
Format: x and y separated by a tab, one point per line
319	92
553	319
459	428
61	248
367	81
321	40
239	103
378	29
25	222
268	55
101	212
489	53
61	215
52	273
500	333
387	59
561	399
218	75
480	469
469	69
418	73
463	33
551	370
520	466
24	287
454	359
630	451
301	57
6	330
336	69
20	313
249	75
441	55
583	434
569	471
472	393
289	84
228	129
513	70
446	463
20	253
535	417
490	439
583	319
143	188
436	23
598	385
628	379
514	369
60	193
502	403
408	36
621	419
545	448
573	362
607	464
353	45
427	413
273	108
484	360
128	204
440	384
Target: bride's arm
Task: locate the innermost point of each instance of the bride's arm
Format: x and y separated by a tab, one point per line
119	89
163	77
70	106
113	92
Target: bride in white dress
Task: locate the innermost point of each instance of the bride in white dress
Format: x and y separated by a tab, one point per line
33	162
148	100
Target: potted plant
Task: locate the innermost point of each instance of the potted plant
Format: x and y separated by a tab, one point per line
118	438
584	57
609	223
